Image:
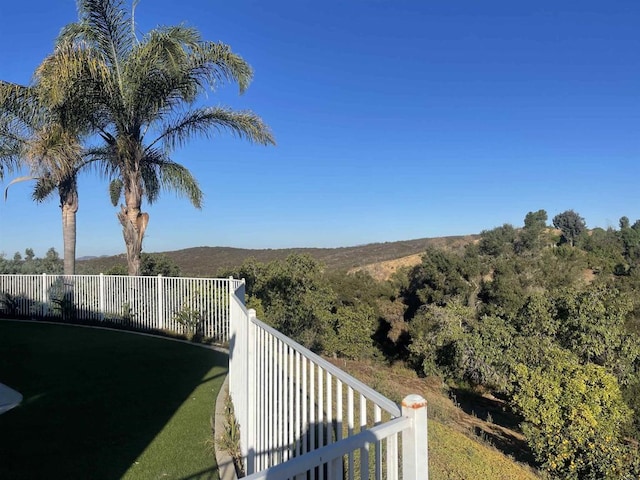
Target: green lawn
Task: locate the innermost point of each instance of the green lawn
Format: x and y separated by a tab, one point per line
102	404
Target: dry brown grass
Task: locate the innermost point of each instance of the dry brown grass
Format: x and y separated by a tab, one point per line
382	271
472	435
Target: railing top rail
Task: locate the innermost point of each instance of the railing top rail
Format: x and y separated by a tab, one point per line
380	400
325	454
58	275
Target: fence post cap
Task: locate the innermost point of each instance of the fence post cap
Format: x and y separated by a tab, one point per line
414	401
252	313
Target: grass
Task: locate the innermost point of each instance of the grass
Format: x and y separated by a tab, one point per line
104	404
454	455
456	451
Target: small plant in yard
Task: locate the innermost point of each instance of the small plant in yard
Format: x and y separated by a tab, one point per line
127	313
191	320
8	304
64	307
229	440
61	296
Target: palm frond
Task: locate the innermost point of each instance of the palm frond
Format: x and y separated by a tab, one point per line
106	25
207	121
55	151
16	180
115	191
74	82
162	173
11	144
158	72
100	160
150	180
215	63
44	187
19	103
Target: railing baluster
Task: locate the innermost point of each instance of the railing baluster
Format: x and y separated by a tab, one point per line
312	412
321	426
262	446
305	407
351	421
292	397
364	452
280	402
336	467
377	419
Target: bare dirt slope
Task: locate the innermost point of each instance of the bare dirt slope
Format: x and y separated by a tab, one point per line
384	270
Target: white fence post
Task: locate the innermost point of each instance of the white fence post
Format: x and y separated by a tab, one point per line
45	303
229	293
238	366
251	392
415	460
160	290
101	302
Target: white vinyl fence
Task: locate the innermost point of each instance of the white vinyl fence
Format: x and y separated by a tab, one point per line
140	303
300	417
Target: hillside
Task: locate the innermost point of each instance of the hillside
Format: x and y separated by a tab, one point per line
471	435
209	261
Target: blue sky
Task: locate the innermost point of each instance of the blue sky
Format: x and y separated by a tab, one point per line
394	120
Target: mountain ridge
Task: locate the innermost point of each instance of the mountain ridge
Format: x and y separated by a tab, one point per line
209	261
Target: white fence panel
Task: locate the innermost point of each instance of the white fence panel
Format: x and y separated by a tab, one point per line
140	303
297	420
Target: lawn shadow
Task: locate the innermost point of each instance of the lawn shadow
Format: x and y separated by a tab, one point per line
93	399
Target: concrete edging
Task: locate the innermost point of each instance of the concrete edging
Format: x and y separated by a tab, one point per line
226	467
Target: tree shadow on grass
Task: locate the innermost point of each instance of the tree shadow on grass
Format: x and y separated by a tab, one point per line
93	399
497	424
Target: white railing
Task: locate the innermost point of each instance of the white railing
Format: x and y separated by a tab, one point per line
301	417
140	303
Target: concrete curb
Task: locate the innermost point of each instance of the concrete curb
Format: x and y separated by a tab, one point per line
226	467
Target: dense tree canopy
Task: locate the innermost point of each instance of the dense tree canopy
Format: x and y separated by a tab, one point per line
570	224
29	264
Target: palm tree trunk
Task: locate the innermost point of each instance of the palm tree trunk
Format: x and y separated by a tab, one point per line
69	205
134	223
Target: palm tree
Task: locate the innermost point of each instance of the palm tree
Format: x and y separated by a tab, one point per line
11	131
44	140
141	94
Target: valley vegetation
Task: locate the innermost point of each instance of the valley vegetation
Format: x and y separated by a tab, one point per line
545	319
541	321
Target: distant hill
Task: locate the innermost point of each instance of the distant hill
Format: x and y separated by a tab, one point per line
209	261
